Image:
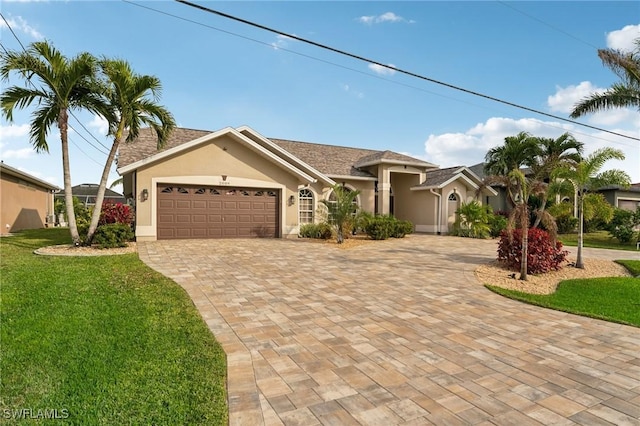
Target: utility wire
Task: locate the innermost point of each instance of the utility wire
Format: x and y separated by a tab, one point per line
368	74
400	70
70	112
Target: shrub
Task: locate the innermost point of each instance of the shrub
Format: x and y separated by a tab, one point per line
472	220
112	235
623	223
542	256
316	230
115	213
401	228
497	224
566	223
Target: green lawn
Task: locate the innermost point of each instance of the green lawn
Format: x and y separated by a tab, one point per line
599	239
106	339
612	299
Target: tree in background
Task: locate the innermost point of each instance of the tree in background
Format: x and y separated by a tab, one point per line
586	177
56	85
625	93
131	101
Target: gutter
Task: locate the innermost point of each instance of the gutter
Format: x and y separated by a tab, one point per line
439	212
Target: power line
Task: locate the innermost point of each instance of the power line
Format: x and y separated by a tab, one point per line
400	70
368	74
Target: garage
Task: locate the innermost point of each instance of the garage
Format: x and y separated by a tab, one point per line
192	211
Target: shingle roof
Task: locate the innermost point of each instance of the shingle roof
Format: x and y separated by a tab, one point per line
634	187
330	160
440	176
91	189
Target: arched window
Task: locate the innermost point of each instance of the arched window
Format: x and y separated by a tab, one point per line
453	197
305	205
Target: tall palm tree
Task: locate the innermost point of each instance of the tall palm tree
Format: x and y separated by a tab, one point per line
132	104
586	177
56	85
625	93
553	153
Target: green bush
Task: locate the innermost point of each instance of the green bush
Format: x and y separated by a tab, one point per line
623	223
386	226
566	223
472	220
113	235
497	224
320	231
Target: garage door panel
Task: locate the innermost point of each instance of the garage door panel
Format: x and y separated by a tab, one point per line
216	212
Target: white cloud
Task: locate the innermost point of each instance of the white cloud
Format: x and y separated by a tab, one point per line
385	17
566	97
623	39
100	124
281	41
51	179
19	154
379	69
355	93
470	147
18	23
14	131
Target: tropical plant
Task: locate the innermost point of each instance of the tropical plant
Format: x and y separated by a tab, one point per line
57	86
472	220
543	254
623	224
131	100
587	177
320	231
625	93
552	154
341	210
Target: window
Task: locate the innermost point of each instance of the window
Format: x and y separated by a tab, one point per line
305	205
453	197
332	198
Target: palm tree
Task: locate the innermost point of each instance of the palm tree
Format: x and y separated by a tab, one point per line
57	85
625	93
132	104
341	210
553	153
586	177
516	152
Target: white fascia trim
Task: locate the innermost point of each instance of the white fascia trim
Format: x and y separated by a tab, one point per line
211	136
347	177
286	153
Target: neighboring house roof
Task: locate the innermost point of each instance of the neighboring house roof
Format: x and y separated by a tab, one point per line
478	169
330	160
634	187
11	171
439	178
91	190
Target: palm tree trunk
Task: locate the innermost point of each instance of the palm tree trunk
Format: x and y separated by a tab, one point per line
63	120
97	209
540	211
579	262
525	253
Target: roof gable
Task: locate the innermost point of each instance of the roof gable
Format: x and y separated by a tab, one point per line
439	178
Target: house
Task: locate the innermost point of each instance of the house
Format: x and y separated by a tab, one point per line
623	198
87	193
26	202
235	182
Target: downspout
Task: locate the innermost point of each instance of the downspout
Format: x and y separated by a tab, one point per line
439	212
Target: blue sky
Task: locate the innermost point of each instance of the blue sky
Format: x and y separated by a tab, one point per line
219	73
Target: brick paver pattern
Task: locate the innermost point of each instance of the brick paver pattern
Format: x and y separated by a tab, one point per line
397	332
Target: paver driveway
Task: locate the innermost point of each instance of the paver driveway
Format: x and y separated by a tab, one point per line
396	332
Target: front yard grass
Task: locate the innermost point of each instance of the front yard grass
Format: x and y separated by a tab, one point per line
106	339
598	239
612	299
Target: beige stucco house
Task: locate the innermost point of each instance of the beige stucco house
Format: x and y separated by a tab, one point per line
26	202
234	182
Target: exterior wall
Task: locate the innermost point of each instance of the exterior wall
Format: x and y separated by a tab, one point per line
404	199
206	165
623	199
422	212
464	194
23	205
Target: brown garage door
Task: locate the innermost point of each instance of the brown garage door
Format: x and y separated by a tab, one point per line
188	211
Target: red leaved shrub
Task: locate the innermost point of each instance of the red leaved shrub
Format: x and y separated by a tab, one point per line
115	213
542	256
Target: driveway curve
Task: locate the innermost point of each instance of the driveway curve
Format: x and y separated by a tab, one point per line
396	332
